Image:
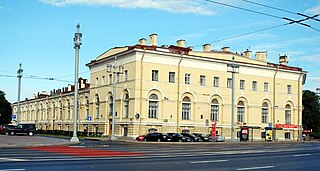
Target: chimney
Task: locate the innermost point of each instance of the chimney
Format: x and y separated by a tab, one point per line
225	49
247	53
206	47
283	60
142	41
181	43
261	56
153	39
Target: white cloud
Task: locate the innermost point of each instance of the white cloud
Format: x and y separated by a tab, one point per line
178	6
314	10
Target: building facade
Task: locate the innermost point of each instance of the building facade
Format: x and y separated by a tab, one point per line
177	89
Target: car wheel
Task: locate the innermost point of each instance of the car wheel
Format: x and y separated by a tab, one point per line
11	133
30	133
7	133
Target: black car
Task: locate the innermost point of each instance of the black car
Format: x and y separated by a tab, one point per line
192	137
156	136
176	137
26	129
204	137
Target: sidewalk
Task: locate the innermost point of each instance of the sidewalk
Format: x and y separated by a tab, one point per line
27	141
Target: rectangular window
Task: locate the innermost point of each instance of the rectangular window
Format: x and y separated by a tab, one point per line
288	116
171	77
254	85
214	112
153	108
186	108
266	87
110	78
229	83
264	118
202	80
289	89
155	75
187	78
216	82
126	75
240	114
242	85
97	81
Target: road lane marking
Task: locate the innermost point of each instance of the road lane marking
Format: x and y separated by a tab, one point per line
10	160
300	155
256	168
210	161
12	169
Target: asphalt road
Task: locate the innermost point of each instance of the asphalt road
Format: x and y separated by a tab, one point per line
119	156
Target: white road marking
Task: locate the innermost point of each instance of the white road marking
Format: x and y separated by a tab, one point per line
10	160
210	161
12	169
300	155
256	168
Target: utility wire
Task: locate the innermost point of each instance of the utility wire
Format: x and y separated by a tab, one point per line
245	34
37	78
249	10
279	9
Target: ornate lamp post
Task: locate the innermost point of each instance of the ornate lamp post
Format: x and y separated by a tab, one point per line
77	44
116	70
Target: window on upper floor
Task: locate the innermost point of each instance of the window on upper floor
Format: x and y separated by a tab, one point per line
126	75
171	77
110	78
202	80
229	83
187	78
289	89
266	87
254	86
155	75
216	82
242	84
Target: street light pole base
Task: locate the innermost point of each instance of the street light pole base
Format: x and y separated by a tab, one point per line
75	140
113	138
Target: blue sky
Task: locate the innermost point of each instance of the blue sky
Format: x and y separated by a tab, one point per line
39	34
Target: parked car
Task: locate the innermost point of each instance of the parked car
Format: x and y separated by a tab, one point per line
140	138
205	138
192	137
218	138
156	136
26	129
176	137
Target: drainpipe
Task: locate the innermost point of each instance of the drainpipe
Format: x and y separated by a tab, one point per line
274	103
299	100
141	83
178	92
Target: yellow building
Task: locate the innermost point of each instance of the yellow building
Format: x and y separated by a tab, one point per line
176	89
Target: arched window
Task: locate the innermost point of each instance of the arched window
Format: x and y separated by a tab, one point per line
126	106
264	113
214	114
153	106
186	108
110	105
288	114
97	107
240	111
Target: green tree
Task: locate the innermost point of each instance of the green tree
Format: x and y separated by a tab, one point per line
311	111
5	109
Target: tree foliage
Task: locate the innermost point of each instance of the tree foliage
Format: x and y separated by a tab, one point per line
5	109
311	111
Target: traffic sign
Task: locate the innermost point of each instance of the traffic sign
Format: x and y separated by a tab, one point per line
89	118
14	117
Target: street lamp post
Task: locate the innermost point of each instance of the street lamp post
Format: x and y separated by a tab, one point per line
116	71
77	44
233	68
19	75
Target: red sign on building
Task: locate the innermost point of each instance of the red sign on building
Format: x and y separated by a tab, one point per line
213	130
286	126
